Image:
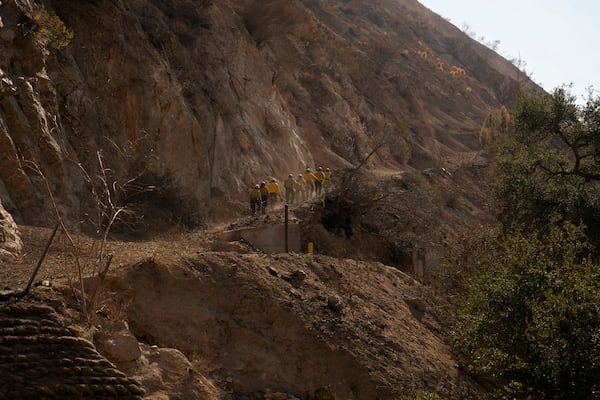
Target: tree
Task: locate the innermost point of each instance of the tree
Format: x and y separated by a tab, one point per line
548	164
531	318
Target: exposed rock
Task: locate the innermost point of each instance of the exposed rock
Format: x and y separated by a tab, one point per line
269	395
117	343
298	275
167	373
10	241
335	303
190	104
417	306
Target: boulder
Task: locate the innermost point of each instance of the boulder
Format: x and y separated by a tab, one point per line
11	244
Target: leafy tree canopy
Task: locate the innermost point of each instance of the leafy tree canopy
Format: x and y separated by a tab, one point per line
548	163
529	318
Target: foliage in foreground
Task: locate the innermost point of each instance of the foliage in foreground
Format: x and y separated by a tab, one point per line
531	318
528	316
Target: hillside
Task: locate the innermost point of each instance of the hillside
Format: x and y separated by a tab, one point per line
198	100
153	121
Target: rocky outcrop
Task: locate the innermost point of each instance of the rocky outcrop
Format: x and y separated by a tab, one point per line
354	329
172	111
10	241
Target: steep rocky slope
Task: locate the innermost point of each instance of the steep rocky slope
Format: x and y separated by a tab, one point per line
166	112
190	102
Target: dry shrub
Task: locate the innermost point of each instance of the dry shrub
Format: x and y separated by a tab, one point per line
50	30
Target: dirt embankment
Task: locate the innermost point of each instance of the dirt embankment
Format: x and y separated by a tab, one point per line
293	324
191	323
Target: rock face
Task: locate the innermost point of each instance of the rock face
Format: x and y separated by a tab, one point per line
174	109
10	241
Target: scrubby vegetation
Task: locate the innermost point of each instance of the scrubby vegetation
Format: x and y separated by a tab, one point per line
419	395
531	317
529	321
50	30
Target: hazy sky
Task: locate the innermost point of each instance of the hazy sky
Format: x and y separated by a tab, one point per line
559	40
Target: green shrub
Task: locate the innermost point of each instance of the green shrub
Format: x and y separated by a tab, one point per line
530	321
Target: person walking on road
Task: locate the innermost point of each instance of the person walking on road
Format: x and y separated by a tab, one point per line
255	200
264	193
290	189
301	189
319	178
274	191
309	179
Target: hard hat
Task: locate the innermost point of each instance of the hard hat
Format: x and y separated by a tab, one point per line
326	169
320	168
291	175
308	169
263	183
256	186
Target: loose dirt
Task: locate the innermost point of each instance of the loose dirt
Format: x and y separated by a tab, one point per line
246	325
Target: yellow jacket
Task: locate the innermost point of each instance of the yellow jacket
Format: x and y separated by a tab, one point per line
274	187
255	194
264	192
309	177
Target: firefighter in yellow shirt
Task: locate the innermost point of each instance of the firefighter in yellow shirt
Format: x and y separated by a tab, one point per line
301	188
290	189
327	175
319	178
264	193
309	179
274	191
255	200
